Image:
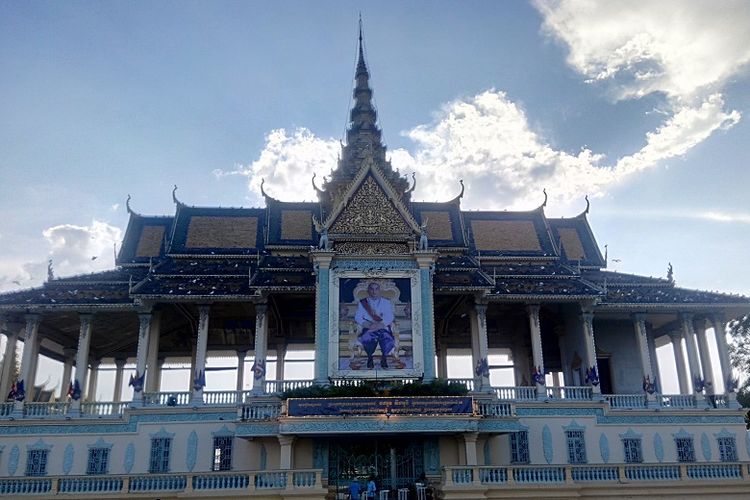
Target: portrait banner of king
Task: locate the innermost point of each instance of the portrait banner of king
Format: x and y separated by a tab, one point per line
376	330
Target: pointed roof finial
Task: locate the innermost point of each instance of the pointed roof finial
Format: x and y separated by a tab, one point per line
361	66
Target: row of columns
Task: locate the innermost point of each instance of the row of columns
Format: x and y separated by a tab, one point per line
699	359
699	366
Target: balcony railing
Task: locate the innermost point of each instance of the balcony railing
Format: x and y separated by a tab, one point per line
249	483
622	473
576	393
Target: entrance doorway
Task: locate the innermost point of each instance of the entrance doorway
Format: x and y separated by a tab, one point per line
396	462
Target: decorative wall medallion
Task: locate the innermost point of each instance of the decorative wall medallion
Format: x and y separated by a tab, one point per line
604	447
15	453
547	444
706	447
68	459
129	458
658	447
192	451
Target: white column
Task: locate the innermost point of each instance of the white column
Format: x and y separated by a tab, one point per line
588	338
470	442
261	347
119	372
655	368
479	348
280	355
679	361
241	355
9	360
688	335
82	360
442	360
159	369
536	347
29	339
705	356
93	380
201	348
721	346
34	363
70	356
152	358
144	331
641	338
285	456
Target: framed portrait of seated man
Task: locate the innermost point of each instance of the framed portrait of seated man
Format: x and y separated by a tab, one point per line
376	325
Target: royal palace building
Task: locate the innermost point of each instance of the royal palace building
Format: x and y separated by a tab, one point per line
385	294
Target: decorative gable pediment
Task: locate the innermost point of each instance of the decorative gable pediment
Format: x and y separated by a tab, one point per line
370	207
370	212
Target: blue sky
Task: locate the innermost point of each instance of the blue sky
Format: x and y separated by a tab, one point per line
642	105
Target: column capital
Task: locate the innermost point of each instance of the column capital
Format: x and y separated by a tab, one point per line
261	308
286	440
32	317
94	363
322	258
481	307
242	353
686	316
470	437
638	316
533	309
120	362
69	352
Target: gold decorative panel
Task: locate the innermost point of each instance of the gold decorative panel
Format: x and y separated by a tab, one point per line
369	211
510	235
222	232
371	248
296	225
571	243
438	225
149	244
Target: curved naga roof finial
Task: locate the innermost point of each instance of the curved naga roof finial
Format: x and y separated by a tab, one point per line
588	204
262	191
544	203
463	188
414	183
316	188
127	206
174	197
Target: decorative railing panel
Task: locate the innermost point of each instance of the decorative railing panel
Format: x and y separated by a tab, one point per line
462	475
714	471
575	393
594	473
221	397
158	483
494	475
494	409
515	393
103	409
626	400
55	409
267	411
89	484
652	472
25	486
304	479
539	474
166	398
279	386
678	401
6	409
270	480
221	481
467	382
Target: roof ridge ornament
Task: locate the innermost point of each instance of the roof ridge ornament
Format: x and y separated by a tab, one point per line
174	197
463	188
316	188
414	183
127	206
588	205
670	273
544	203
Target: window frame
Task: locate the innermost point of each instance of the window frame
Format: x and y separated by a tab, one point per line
97	462
37	460
576	441
685	448
632	448
224	445
159	458
519	447
727	448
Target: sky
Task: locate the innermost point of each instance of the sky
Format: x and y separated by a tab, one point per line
642	106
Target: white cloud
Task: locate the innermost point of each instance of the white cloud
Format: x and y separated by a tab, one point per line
487	140
73	250
287	163
684	49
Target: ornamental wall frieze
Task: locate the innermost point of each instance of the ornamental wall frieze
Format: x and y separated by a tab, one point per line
371	248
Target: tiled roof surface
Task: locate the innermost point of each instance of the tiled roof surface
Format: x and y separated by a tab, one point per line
509	234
